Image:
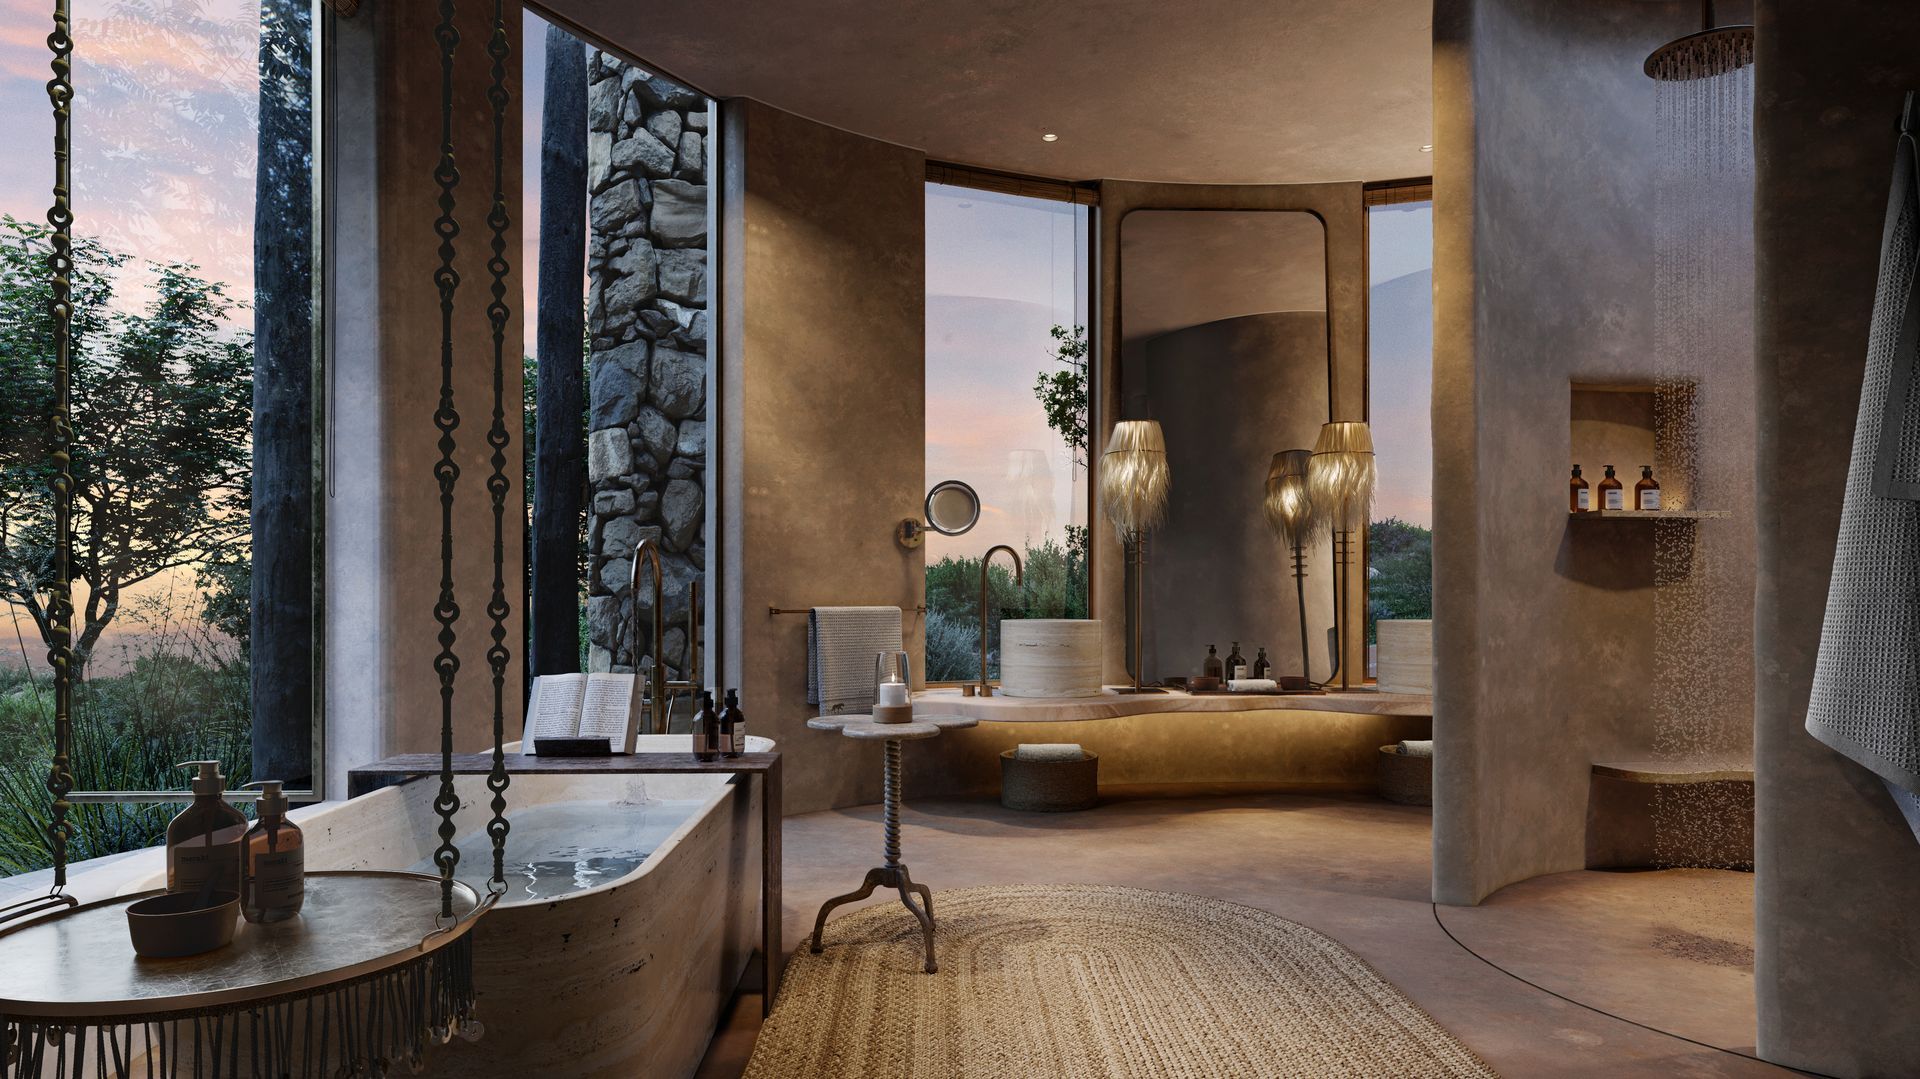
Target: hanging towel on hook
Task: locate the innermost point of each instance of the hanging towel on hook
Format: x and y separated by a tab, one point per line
1866	683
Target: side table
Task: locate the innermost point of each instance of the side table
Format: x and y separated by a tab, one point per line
893	874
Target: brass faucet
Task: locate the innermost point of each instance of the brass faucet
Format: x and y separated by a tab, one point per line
661	691
986	687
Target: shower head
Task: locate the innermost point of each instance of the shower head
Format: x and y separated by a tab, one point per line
1715	50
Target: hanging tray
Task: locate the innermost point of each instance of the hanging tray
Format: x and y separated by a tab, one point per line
80	965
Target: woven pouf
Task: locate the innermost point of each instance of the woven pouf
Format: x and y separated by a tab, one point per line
1049	786
1402	778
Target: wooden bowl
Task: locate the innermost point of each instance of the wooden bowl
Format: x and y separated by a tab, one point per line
174	924
1201	683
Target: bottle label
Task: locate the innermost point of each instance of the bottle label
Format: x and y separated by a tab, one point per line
1240	671
1616	499
279	879
1585	500
194	862
1650	499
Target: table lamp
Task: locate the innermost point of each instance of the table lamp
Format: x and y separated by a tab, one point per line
1134	480
1290	513
1340	480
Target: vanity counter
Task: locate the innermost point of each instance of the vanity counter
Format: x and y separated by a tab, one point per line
1002	709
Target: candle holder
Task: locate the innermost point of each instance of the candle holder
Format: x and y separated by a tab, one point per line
892	688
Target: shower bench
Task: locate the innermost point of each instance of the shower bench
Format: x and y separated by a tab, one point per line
1696	812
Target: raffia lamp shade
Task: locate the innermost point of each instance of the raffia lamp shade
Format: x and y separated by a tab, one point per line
1341	475
1289	505
1134	478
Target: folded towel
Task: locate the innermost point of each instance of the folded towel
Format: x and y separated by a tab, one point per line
841	645
1049	751
1416	748
1252	685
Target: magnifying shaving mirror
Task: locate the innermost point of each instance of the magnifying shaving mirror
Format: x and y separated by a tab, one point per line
952	508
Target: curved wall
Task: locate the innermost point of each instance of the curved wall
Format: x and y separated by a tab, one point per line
1228	395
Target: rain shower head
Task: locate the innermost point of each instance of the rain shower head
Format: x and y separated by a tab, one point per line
1715	50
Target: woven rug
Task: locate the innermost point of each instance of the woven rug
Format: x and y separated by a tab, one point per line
1085	982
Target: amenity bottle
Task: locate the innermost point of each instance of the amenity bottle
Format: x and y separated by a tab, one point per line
1579	498
1236	663
1213	667
204	841
733	726
1262	667
1646	493
706	729
1612	495
276	861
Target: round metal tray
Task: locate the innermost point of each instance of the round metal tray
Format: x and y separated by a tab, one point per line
80	964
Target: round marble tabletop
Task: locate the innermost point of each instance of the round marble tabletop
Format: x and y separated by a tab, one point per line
864	726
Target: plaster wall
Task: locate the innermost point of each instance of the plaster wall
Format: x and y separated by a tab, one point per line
823	376
1339	207
1838	930
1544	192
1228	394
382	501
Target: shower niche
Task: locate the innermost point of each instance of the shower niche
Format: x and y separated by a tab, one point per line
1630	424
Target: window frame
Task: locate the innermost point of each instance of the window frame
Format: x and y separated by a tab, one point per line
1080	193
1377	193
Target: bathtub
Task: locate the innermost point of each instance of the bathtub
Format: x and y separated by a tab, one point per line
620	939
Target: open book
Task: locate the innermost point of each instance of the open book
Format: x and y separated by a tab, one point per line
582	706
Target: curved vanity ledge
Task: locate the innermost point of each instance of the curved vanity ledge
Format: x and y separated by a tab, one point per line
1002	709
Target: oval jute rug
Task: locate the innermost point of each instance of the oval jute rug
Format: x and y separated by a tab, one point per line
1086	982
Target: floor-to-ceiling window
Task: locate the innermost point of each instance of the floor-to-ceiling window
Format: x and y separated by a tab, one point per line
1399	403
1007	411
194	361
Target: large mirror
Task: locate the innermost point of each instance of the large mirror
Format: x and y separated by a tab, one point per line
1224	341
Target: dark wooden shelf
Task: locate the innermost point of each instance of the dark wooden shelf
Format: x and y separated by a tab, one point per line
1652	515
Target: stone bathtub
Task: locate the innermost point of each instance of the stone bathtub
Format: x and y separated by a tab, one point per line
632	909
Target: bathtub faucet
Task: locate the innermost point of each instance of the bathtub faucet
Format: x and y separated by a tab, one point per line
661	690
986	687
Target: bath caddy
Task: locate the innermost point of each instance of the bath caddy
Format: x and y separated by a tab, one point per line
893	874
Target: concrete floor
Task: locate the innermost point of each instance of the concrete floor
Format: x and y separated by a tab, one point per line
1665	949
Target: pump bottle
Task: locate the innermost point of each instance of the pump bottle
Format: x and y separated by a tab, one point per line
204	841
276	861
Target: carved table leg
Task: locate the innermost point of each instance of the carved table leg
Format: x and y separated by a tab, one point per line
875	878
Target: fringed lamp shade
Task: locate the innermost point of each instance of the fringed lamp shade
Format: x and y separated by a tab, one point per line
1134	478
1341	474
1289	506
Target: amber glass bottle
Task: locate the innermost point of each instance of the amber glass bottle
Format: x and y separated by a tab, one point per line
1646	493
1214	667
1612	495
1236	663
1579	499
1262	666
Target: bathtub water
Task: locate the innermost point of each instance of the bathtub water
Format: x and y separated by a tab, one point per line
563	847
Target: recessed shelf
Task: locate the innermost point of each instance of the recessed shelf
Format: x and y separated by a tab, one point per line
1671	515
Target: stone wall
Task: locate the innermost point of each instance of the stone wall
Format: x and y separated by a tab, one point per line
647	319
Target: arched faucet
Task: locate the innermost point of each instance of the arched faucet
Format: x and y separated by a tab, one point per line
1019	578
659	689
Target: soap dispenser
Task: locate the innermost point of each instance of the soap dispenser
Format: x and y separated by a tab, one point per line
1214	666
276	861
733	726
204	841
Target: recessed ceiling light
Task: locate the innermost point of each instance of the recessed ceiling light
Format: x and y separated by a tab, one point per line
1427	149
1049	137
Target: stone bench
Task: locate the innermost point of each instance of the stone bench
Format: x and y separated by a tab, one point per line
1698	812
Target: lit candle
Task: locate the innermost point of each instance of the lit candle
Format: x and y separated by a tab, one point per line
893	693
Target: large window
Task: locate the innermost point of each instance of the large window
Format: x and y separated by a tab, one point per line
1400	405
193	368
1007	397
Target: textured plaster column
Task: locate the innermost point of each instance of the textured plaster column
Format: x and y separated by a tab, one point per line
1837	894
382	504
823	451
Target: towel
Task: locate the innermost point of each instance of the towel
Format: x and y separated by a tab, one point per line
1865	703
1049	751
841	645
1422	748
1252	685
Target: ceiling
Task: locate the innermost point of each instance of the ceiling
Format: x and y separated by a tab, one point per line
1181	268
1196	91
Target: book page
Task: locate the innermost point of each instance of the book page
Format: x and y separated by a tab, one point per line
606	710
555	710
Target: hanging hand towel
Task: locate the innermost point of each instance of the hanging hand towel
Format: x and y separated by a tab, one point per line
841	645
1866	684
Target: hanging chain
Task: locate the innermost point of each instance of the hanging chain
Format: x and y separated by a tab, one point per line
60	602
445	611
497	315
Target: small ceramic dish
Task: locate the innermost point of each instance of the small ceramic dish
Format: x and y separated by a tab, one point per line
175	924
1202	683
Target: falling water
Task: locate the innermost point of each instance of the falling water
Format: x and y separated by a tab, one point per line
1704	448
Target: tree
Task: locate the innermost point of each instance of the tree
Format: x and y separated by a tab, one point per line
1063	394
161	417
559	433
1399	571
